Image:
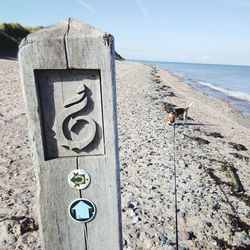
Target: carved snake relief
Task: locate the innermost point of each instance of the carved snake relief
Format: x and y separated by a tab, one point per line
67	119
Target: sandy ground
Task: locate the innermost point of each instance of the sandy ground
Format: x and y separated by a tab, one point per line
18	213
212	165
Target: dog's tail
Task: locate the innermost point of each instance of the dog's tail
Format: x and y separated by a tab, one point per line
190	105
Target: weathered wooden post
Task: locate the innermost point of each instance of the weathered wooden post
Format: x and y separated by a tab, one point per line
68	80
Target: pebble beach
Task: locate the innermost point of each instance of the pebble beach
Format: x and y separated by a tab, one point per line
204	164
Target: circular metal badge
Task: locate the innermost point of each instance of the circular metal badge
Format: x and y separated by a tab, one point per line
79	179
82	210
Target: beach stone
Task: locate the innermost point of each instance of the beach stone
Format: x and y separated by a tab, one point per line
148	244
12	239
168	248
207	223
215	243
131	213
182	214
129	248
163	239
247	214
3	212
200	185
155	217
200	167
125	242
23	208
137	235
10	225
183	248
135	219
188	235
147	226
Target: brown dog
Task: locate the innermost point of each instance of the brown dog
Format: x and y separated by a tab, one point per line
177	113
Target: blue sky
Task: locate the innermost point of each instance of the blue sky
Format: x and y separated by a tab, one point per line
202	31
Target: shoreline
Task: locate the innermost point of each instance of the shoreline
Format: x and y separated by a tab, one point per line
242	105
181	80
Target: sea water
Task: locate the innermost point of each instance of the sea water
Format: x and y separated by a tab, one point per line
227	82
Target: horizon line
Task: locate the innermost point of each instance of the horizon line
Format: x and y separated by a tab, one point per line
155	61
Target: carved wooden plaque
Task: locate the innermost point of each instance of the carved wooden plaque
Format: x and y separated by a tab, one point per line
71	112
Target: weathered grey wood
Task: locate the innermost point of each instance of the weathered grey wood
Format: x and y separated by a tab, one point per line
66	67
58	87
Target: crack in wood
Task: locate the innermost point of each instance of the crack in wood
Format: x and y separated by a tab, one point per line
65	43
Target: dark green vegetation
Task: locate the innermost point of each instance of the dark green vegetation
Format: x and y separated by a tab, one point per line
11	34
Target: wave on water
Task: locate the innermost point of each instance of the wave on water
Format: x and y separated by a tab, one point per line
230	93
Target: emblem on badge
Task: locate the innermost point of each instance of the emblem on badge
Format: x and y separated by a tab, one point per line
79	179
82	210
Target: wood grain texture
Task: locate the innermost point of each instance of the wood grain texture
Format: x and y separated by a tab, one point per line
65	46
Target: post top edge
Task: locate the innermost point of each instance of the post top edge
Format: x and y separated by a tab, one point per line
72	26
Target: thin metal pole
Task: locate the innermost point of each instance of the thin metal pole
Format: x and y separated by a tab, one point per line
175	192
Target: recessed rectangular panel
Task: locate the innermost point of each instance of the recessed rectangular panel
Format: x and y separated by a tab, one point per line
71	112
